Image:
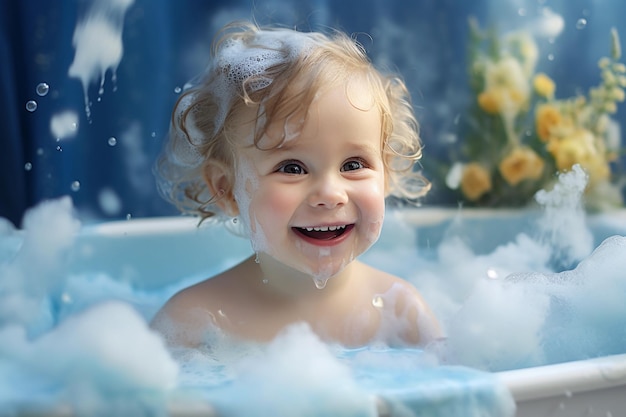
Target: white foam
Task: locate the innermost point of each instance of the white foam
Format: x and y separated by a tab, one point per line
64	125
306	373
36	270
98	44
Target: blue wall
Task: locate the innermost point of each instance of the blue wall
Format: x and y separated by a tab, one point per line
166	43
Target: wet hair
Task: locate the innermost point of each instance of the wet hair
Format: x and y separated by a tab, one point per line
278	72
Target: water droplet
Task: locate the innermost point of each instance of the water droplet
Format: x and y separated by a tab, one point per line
581	23
265	280
42	89
320	283
492	274
521	12
177	90
153	134
28	166
75	186
31	105
378	302
569	394
112	141
550	57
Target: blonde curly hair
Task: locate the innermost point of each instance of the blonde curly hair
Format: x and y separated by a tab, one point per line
251	66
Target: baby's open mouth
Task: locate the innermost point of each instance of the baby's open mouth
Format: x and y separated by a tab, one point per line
323	232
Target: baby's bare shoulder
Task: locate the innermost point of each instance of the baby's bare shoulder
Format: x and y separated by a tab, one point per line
401	302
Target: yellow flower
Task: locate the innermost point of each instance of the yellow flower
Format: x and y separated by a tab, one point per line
579	148
475	181
506	87
571	150
546	118
544	86
489	101
521	164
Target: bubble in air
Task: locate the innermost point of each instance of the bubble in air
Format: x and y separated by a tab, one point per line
31	105
75	186
42	89
112	141
109	202
28	166
581	23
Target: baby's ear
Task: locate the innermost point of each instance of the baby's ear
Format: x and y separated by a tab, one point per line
219	178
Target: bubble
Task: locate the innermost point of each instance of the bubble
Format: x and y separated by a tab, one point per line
521	12
75	186
550	57
378	302
153	134
492	273
265	281
39	151
28	166
177	90
42	89
581	23
59	148
31	105
128	216
109	202
112	141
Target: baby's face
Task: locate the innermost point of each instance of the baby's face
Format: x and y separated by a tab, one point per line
317	202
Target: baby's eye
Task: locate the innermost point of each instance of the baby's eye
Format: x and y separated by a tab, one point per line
352	165
292	168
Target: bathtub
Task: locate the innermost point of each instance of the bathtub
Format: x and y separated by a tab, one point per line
126	249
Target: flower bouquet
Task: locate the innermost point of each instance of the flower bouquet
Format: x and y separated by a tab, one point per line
517	135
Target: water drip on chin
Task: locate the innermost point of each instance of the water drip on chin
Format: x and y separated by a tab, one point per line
320	282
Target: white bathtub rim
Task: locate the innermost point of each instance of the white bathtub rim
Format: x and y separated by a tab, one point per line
565	379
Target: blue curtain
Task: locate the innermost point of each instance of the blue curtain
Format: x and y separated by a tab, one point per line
106	166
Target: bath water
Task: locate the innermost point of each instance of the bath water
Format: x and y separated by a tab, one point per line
74	314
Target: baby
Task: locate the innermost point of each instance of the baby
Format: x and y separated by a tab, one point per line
297	139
